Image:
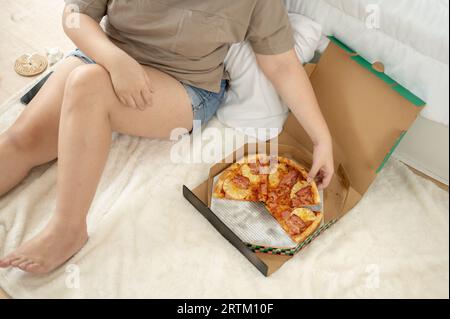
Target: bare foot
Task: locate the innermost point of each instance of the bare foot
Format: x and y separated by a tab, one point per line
56	244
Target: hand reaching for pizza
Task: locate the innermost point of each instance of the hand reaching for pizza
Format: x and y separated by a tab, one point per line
323	165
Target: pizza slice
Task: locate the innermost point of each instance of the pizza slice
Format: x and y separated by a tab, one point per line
305	194
300	223
288	193
243	181
285	174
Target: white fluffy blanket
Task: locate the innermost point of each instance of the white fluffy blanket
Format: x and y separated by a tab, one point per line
147	241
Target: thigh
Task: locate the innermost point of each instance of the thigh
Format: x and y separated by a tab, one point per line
36	129
42	114
171	107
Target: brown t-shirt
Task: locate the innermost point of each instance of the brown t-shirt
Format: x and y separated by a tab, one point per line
189	39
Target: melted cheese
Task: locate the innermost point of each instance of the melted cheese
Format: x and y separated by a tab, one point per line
274	179
234	192
305	214
297	187
218	190
247	172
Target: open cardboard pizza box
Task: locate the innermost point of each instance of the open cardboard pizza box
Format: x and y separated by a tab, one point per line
368	114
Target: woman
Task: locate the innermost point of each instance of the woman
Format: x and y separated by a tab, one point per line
158	66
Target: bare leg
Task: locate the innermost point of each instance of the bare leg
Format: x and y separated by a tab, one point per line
91	111
33	138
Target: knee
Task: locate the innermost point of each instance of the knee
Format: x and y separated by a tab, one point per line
86	79
84	85
22	138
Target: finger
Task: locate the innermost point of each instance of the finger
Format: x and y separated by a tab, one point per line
313	173
148	98
121	97
148	92
130	102
324	183
123	101
148	83
328	176
140	103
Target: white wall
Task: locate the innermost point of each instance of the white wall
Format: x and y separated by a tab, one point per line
426	148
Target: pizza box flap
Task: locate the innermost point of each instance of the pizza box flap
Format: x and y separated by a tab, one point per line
367	113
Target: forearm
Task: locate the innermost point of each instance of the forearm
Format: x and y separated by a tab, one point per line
90	38
294	87
129	79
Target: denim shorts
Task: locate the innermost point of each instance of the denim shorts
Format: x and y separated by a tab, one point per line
204	103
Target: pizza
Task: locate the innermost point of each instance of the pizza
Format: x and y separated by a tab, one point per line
300	223
282	185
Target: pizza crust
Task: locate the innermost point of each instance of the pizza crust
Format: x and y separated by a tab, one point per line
310	230
225	188
227	174
295	165
262	158
233	192
316	194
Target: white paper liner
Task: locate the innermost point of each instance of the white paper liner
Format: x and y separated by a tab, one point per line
252	222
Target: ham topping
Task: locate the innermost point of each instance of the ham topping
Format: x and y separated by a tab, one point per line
241	182
285	215
282	191
271	205
304	197
297	225
289	179
264	189
254	167
263	192
272	197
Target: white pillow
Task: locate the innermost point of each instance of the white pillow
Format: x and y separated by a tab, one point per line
252	102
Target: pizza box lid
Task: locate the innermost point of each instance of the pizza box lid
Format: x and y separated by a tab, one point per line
368	114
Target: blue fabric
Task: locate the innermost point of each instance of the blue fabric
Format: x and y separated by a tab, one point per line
204	103
82	56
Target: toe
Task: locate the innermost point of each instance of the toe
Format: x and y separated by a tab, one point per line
16	262
8	260
23	265
33	268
